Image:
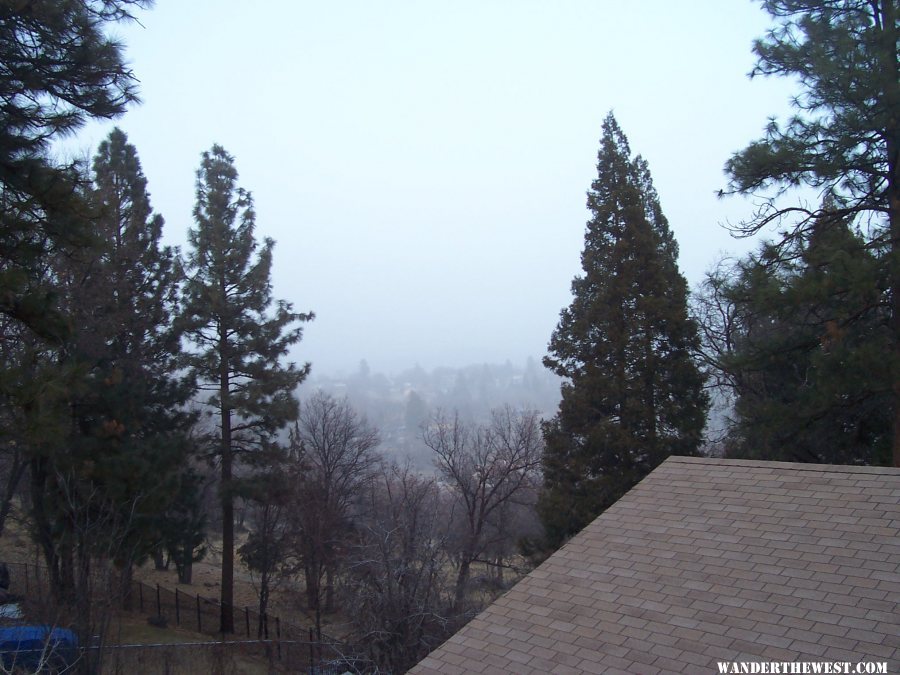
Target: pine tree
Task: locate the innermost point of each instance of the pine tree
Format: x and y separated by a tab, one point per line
132	290
632	394
240	337
844	139
183	534
808	331
58	69
126	443
130	294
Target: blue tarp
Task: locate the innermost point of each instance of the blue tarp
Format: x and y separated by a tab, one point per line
30	646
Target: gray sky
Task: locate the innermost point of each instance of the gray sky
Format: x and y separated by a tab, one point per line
423	164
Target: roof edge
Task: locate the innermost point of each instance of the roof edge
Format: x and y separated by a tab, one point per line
797	466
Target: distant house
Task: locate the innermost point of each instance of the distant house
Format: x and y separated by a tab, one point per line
707	560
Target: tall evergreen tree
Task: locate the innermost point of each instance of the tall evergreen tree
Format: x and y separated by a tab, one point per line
133	290
240	333
844	139
126	444
632	394
58	69
802	351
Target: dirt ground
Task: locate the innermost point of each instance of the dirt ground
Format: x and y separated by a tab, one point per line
286	598
287	601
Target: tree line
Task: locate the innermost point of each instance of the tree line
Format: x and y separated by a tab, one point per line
135	375
171	377
130	370
799	340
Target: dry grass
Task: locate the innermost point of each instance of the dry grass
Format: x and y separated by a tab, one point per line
132	628
287	599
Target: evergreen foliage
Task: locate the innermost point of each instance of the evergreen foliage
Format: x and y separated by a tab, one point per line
240	333
844	139
122	442
131	293
266	552
632	395
59	69
803	350
184	526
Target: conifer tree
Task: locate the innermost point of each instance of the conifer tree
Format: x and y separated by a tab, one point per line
632	394
804	347
240	333
843	140
133	289
126	443
58	69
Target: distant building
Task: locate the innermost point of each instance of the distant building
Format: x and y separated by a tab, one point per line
705	561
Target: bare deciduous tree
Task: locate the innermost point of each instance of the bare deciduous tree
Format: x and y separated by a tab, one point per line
334	452
486	467
396	572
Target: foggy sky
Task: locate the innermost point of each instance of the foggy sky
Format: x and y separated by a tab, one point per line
423	165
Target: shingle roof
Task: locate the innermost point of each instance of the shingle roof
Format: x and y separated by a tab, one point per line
707	560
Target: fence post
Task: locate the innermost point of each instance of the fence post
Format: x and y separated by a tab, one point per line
266	625
312	654
177	610
158	602
247	620
278	635
199	624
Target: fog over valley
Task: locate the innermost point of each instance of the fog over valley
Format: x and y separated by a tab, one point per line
401	404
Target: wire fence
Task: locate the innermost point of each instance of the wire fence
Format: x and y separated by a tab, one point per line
286	646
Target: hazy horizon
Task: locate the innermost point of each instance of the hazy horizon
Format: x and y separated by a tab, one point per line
423	168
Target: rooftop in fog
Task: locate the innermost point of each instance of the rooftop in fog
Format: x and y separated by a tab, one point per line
707	560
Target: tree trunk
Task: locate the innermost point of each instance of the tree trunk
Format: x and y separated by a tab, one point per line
329	589
185	564
462	580
125	582
895	328
42	526
313	575
263	600
889	28
12	483
227	595
67	572
159	559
